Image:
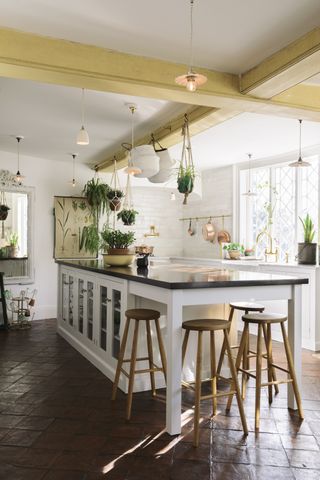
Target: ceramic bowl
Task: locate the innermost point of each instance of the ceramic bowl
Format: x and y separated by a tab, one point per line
117	260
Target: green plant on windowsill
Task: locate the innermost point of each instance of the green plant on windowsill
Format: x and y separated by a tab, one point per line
308	228
235	250
307	250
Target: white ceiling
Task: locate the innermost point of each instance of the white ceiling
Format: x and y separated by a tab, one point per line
229	35
261	135
49	117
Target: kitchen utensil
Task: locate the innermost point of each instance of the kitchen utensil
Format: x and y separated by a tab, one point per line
190	229
208	232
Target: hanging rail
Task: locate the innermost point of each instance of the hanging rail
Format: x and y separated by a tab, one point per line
206	217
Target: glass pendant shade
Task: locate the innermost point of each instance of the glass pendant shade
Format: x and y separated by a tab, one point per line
191	81
249	193
82	137
299	163
73	181
18	176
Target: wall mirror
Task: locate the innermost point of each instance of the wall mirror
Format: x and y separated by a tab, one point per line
16	230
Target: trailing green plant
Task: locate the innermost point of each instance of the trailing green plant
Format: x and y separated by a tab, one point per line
128	216
115	194
234	246
308	228
115	238
96	193
89	239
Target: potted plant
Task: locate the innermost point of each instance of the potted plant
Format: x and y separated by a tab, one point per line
185	180
4	210
307	250
96	193
116	244
13	249
128	216
235	250
114	197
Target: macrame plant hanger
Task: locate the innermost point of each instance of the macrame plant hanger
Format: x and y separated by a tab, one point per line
186	173
115	202
128	202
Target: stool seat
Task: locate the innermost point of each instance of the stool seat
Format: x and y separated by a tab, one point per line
206	324
247	306
142	314
264	318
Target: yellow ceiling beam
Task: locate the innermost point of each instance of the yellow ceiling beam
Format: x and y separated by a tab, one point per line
301	95
288	67
200	118
50	60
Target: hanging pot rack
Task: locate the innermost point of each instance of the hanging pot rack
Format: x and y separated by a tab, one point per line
205	217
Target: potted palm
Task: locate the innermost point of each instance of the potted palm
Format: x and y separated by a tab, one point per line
128	216
307	250
115	197
235	250
115	245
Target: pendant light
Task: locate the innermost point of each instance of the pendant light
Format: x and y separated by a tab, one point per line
73	181
18	176
299	163
131	169
191	80
82	137
249	193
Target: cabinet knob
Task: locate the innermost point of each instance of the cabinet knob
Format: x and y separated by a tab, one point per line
109	300
84	290
66	283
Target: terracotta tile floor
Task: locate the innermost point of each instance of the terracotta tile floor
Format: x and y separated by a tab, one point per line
57	423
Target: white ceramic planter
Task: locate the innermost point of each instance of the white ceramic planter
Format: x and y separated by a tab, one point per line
165	170
145	158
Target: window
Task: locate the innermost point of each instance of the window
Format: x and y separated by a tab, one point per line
283	195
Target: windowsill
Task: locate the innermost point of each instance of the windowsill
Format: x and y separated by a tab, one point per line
13	258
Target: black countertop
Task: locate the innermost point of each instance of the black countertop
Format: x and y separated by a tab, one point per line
175	276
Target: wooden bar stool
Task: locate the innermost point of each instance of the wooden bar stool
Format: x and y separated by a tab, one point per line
264	321
209	325
246	307
147	315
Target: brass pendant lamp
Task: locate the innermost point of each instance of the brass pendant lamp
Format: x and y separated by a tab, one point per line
191	80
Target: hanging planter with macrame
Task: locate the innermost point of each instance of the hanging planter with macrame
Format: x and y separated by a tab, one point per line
115	194
186	173
128	213
4	209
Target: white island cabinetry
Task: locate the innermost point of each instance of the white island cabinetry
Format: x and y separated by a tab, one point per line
90	308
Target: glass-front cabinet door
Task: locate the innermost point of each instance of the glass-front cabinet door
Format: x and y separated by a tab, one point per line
116	320
81	302
90	303
67	298
103	317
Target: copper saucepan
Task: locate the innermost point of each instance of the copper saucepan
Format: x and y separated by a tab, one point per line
208	232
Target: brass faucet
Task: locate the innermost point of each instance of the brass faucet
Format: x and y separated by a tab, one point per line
269	250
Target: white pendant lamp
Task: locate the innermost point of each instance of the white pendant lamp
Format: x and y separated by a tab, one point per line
191	80
249	193
299	163
82	137
73	181
18	176
131	169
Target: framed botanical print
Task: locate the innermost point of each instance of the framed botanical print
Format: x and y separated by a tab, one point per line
71	215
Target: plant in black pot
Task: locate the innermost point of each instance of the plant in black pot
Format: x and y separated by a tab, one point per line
115	198
128	216
307	250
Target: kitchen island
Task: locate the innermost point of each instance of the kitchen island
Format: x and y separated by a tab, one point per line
93	298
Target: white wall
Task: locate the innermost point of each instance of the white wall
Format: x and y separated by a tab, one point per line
217	199
51	178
